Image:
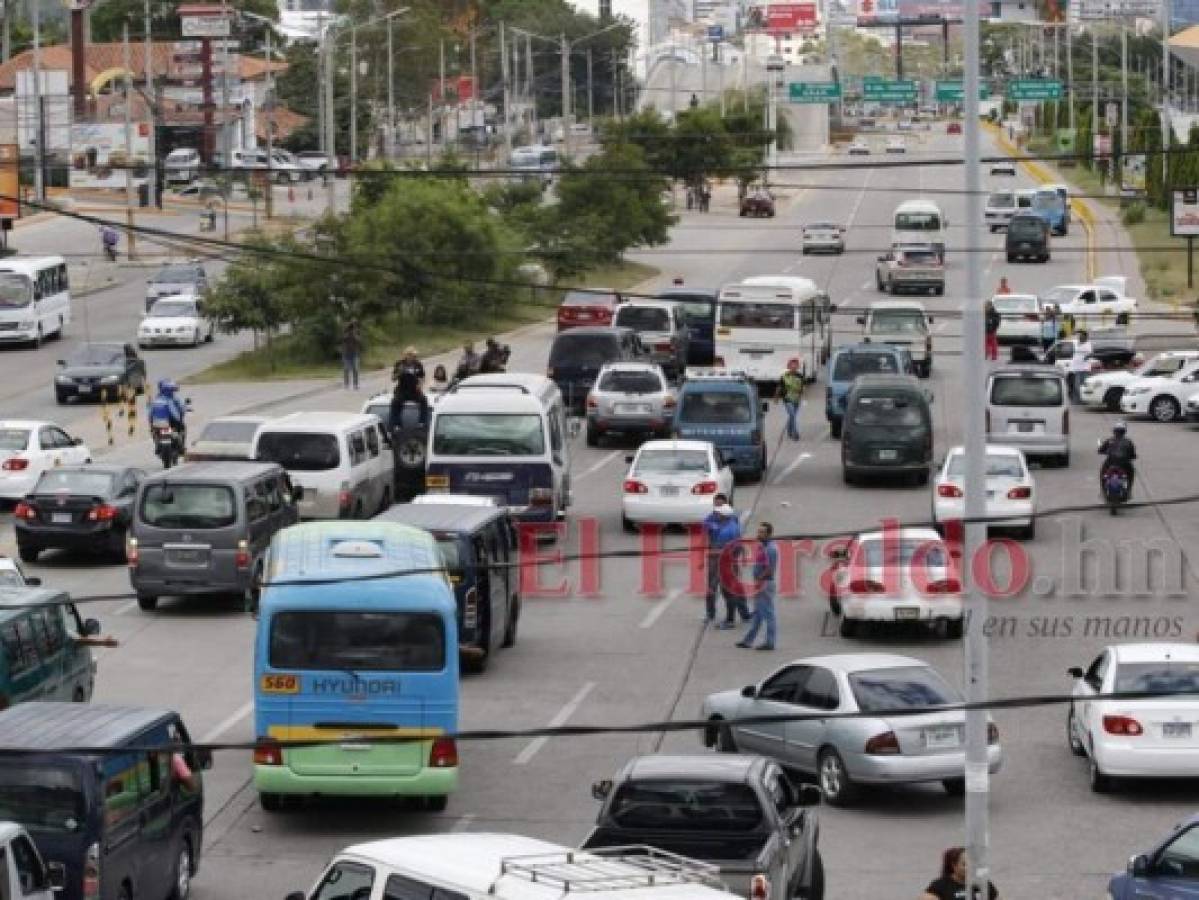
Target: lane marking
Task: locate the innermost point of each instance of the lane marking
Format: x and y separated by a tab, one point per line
463	823
228	723
557	721
660	607
792	467
125	607
599	465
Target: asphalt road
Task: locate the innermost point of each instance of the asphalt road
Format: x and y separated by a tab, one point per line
625	657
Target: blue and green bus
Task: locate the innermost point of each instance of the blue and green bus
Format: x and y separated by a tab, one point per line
357	639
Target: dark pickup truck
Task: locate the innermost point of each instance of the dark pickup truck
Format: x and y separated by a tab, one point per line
739	813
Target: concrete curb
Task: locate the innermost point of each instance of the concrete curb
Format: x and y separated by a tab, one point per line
1044	176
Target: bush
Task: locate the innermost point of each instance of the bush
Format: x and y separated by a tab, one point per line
1133	214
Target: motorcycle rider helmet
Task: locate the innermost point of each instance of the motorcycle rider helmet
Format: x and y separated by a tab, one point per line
167	388
1120	427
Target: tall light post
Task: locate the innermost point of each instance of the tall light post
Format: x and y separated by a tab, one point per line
270	109
391	82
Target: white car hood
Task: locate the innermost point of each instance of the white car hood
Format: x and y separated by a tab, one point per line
170	322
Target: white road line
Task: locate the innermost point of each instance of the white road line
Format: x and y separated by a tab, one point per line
125	607
228	723
791	468
658	608
557	721
599	465
866	285
463	823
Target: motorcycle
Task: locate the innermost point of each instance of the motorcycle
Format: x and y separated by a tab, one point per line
1115	487
167	445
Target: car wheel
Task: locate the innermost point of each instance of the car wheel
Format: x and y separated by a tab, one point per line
147	602
834	778
628	525
270	802
954	787
1111	399
181	886
848	627
1076	746
27	553
1100	783
954	628
1164	409
815	886
513	623
593	436
436	803
725	741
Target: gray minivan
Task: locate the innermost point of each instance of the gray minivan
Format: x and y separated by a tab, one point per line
1029	407
887	429
124	820
204	528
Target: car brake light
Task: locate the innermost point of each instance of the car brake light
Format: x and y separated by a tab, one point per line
592	403
102	513
883	744
944	586
541	496
704	487
632	486
1122	725
948	490
242	558
16	464
268	753
718	362
992	733
668	403
866	586
91	873
25	511
664	345
343	496
131	554
759	887
1019	493
443	754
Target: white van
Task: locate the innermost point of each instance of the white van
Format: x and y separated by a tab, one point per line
919	222
768	320
342	460
503	436
35	299
509	867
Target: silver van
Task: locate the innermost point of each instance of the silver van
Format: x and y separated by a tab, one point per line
1029	407
204	528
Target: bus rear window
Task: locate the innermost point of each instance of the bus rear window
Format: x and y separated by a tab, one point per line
757	315
353	640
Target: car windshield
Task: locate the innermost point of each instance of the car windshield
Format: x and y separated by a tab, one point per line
822	226
887	412
300	452
643	318
15	290
94	484
1046	200
914	221
757	315
898	321
230	432
1158	677
1025	227
679	805
589	298
13	440
584	349
1026	390
1001	199
42	798
489	434
166	309
666	461
904	687
716	407
897	551
999	465
354	640
175	274
920	257
863	362
630	382
166	505
1162	366
96	355
1015	304
1060	295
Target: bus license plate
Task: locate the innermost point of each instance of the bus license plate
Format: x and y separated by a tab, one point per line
281	684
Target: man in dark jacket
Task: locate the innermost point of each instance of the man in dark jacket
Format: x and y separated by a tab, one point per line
993	321
722	529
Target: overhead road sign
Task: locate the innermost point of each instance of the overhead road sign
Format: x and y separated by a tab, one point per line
1034	89
954	92
890	91
814	91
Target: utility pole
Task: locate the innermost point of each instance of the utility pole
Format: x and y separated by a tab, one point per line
972	414
330	123
353	95
129	198
39	130
1094	83
320	94
391	95
441	88
1070	79
474	91
270	124
590	94
1123	99
531	92
565	95
227	142
150	103
1165	94
505	83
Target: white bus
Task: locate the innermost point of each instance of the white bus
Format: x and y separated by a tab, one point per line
537	161
921	223
35	299
761	327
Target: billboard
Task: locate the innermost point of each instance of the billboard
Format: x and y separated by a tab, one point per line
10	181
879	12
782	18
99	157
1184	212
456	89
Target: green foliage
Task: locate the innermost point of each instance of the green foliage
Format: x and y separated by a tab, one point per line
1133	214
109	18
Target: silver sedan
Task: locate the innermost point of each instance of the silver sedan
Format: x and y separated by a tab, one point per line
846	753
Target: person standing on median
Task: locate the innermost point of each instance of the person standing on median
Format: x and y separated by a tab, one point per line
992	322
1080	366
790	391
722	529
766	565
351	354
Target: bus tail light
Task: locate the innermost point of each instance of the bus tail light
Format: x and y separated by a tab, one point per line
91	873
242	558
268	753
443	754
131	554
541	497
470	610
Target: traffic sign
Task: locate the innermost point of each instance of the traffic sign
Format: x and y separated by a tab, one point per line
715	33
889	91
1034	89
955	92
1112	114
814	91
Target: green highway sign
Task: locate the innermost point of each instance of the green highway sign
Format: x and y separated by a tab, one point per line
890	91
814	91
955	92
1034	89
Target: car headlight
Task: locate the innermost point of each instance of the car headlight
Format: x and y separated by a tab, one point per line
1133	392
25	326
110	379
63	379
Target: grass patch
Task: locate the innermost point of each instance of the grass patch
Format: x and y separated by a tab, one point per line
292	357
1164	271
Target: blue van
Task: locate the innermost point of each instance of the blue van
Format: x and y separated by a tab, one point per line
1049	204
699	307
859	359
357	641
723	408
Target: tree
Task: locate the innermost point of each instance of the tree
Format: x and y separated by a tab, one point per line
109	18
248	295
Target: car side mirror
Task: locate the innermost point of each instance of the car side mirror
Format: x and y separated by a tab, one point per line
629	459
203	758
765	406
33	582
749	692
601	789
76	442
91	627
1074	671
861	320
808	795
1139	866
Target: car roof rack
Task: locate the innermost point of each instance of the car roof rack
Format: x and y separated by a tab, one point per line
612	868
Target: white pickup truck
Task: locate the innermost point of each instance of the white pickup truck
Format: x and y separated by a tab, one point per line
1102	301
24	874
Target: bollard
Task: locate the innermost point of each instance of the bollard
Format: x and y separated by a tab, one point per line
106	415
291	194
131	410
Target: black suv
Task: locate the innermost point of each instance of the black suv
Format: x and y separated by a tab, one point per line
1027	236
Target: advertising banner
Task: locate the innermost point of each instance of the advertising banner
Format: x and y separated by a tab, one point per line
1184	212
10	181
99	157
879	12
1133	173
782	18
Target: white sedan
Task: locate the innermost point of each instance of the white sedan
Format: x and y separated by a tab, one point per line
896	145
1011	493
823	237
1103	301
175	321
1162	397
673	483
1106	389
859	148
1003	167
28	448
1021	318
1152	738
905	576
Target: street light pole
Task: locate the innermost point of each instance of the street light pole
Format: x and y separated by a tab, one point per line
565	95
391	96
505	84
353	95
1070	79
590	94
129	198
1165	94
330	125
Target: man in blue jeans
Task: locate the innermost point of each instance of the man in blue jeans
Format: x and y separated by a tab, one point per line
766	564
722	528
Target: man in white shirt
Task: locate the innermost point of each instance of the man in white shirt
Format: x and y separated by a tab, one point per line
1080	365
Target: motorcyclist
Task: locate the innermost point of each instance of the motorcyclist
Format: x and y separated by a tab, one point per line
495	357
167	407
1119	452
109	238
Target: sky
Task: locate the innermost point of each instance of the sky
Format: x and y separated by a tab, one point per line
637	10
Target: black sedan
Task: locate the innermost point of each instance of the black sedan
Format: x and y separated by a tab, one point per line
78	508
99	372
